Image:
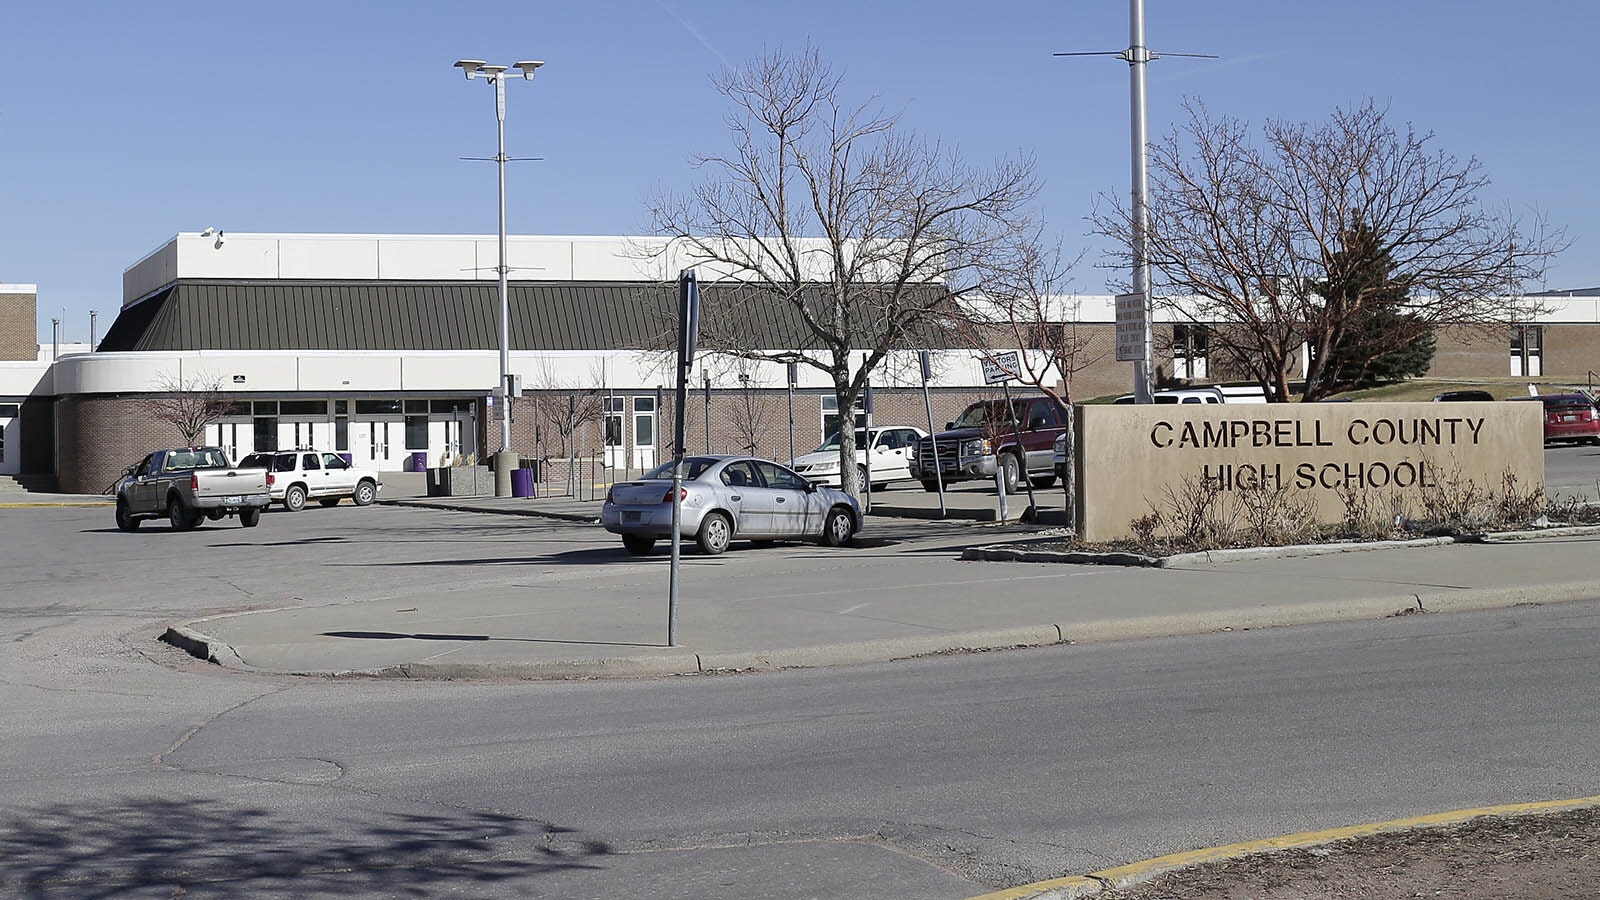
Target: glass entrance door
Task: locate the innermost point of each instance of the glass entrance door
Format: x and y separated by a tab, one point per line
644	432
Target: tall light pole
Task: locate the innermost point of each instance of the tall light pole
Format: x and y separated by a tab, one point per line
1137	57
505	460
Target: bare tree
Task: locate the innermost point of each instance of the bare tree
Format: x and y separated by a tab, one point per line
1241	234
753	412
560	409
187	404
1025	306
839	235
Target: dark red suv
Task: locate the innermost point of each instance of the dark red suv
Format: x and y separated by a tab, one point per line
1569	417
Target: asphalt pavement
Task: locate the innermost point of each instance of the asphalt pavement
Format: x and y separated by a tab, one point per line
589	623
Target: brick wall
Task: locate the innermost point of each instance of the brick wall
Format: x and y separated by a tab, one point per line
101	436
19	326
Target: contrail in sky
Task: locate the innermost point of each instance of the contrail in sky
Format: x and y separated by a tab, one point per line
694	32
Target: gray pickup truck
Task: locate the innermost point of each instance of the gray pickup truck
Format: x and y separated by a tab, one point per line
188	485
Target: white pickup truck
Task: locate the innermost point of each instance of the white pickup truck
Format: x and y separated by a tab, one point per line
188	485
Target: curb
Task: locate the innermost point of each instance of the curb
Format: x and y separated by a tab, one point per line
1076	886
54	503
690	662
681	662
1014	553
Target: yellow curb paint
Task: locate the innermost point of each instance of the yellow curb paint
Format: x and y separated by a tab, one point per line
43	505
1133	873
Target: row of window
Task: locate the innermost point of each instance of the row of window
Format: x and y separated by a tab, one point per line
322	408
1190	350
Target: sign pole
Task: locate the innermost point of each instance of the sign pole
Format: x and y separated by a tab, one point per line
792	373
688	335
933	434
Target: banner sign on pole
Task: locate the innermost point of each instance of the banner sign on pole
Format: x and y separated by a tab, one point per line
688	317
1131	325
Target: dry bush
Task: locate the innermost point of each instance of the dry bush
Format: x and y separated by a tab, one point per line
1275	515
1197	516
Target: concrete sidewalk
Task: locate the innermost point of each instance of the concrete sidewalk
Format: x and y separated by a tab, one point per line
606	616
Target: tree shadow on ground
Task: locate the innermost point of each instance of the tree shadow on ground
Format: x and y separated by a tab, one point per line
160	847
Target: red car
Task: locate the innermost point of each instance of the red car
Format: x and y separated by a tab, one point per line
1569	417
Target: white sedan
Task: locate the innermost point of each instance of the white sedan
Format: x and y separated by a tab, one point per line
890	455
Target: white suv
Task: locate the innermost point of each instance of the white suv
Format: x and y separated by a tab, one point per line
293	476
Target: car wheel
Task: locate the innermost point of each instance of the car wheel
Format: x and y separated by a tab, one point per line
930	486
179	517
1010	472
861	478
366	492
329	501
716	531
294	499
638	544
839	528
251	517
125	519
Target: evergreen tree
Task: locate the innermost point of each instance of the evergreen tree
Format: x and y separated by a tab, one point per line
1380	340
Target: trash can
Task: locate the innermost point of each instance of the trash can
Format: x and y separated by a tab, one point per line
419	462
522	482
530	463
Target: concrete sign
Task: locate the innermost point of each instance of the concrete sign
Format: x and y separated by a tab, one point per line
1132	459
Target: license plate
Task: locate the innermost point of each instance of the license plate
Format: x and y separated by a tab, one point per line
234	500
630	515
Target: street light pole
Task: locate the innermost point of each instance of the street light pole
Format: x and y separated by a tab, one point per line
505	460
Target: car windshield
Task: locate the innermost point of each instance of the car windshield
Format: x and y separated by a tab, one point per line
990	414
693	467
832	443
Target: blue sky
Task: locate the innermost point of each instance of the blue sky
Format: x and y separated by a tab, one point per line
122	124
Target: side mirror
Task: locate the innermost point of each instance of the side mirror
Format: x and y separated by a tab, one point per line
811	487
949	425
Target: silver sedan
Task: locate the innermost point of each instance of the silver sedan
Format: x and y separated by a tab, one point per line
724	498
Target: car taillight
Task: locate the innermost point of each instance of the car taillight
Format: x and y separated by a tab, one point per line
270	479
610	498
194	482
683	494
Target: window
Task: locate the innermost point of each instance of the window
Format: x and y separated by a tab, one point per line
644	421
1190	350
417	432
341	407
264	408
830	414
613	424
416	407
341	433
302	407
377	407
778	477
330	461
1527	350
740	474
310	461
266	432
